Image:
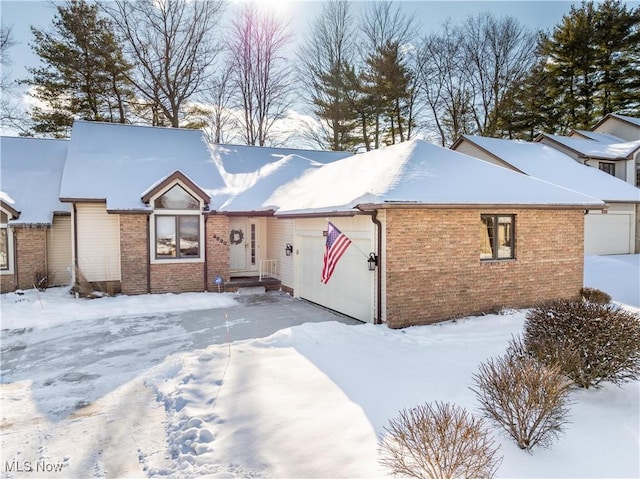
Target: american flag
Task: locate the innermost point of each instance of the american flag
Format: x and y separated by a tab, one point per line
337	244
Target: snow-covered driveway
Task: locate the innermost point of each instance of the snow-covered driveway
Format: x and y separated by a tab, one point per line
70	365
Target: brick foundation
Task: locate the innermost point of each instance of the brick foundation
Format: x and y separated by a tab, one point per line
434	271
177	278
7	282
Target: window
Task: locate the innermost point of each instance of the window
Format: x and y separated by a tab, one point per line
177	236
4	242
177	226
497	239
176	198
608	167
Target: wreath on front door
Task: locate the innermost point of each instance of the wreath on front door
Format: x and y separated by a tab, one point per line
236	237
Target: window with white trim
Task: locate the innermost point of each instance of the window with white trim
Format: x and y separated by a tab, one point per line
177	226
6	244
4	241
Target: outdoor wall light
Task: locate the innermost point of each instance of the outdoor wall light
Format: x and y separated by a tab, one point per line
372	261
288	249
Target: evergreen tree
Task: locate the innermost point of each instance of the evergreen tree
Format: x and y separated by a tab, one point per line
618	50
527	110
84	72
332	106
388	85
592	59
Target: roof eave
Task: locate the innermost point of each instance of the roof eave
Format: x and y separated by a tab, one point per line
521	206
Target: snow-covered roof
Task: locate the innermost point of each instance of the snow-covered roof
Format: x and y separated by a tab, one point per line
416	172
544	162
266	181
240	159
600	137
595	149
119	163
31	169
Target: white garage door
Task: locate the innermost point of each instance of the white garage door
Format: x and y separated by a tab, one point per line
607	234
350	289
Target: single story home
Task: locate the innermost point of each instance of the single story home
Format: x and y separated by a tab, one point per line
435	234
615	230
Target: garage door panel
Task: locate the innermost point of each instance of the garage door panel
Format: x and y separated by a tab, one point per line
350	288
607	234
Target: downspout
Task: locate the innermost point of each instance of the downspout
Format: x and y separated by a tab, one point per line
15	258
148	254
75	246
206	276
376	221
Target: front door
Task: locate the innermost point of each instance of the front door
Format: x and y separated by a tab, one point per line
243	245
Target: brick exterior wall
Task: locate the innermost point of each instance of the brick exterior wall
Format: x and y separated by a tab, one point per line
171	277
134	244
434	272
7	283
177	277
31	257
217	234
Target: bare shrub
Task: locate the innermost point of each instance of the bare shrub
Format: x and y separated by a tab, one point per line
525	398
595	295
40	280
439	441
592	342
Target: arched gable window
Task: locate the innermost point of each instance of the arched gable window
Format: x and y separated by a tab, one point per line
177	222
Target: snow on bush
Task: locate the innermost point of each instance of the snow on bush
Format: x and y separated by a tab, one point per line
525	398
439	441
592	342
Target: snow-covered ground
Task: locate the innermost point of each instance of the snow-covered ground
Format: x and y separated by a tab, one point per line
304	401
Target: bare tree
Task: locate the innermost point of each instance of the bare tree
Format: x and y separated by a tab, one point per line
220	97
173	46
497	53
327	53
260	73
11	114
442	80
387	29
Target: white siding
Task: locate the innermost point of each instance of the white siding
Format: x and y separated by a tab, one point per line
621	129
59	257
98	239
610	233
280	232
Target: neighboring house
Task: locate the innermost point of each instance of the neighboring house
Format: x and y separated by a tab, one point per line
625	127
436	234
621	126
35	227
617	159
615	230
